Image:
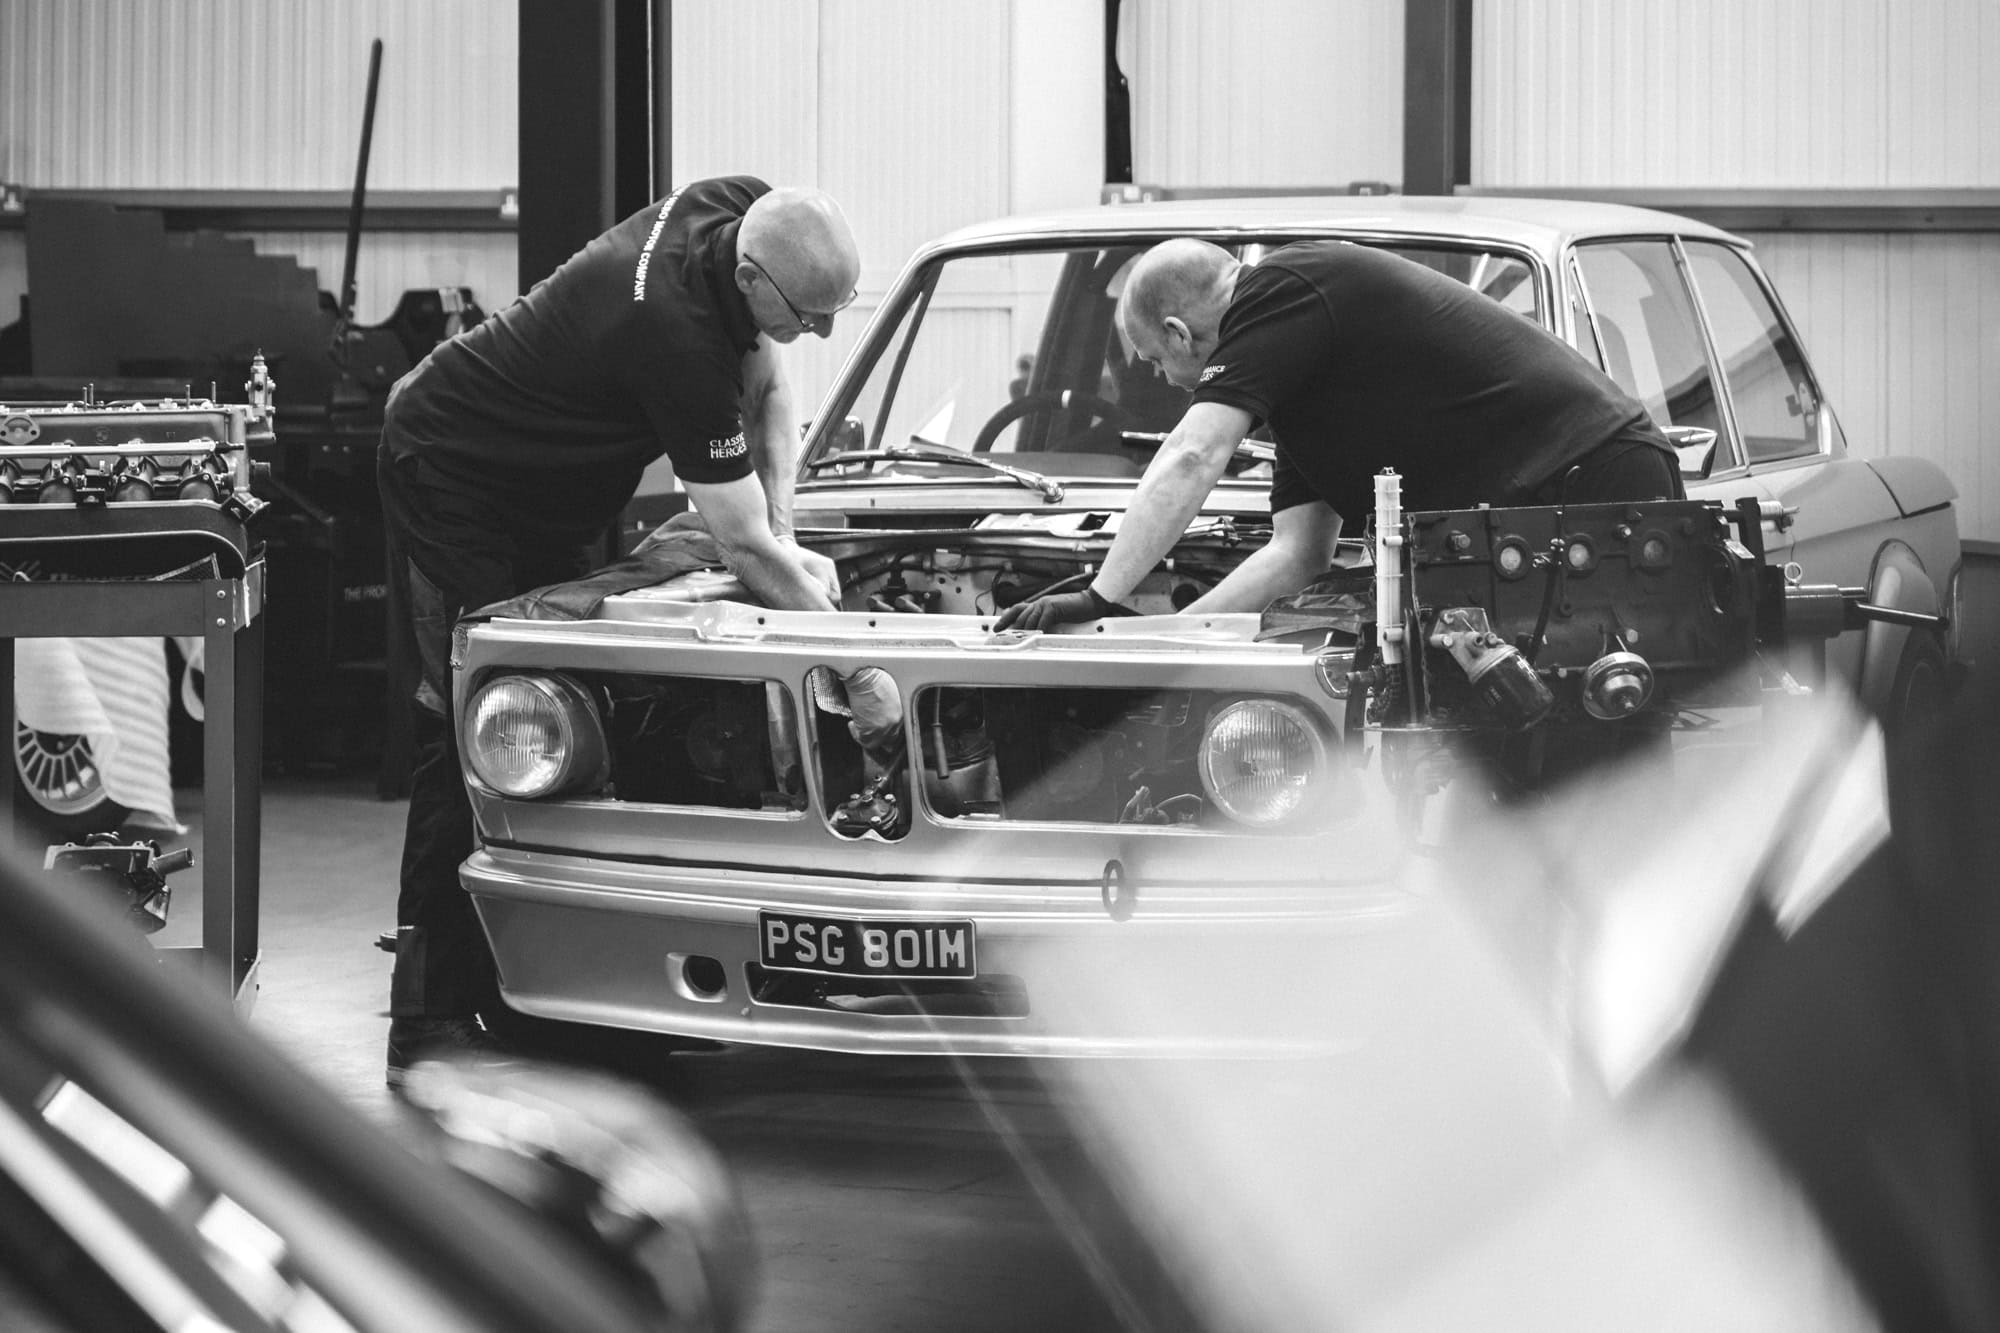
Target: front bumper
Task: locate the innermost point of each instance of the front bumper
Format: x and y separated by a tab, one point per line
588	940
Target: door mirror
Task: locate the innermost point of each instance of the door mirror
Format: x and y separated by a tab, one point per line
1695	447
847	437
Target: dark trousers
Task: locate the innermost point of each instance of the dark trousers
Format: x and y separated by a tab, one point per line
451	552
1634	464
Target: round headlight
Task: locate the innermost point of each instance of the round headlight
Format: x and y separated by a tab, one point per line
1262	761
534	736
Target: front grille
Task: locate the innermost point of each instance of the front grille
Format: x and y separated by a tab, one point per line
1062	754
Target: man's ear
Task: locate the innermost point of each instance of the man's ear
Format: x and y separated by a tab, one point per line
1174	327
746	273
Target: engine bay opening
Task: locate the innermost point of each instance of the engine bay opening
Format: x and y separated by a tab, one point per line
687	740
983	571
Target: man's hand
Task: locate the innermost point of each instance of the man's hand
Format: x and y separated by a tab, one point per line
1053	609
818	568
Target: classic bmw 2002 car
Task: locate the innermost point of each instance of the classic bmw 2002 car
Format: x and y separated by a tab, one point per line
893	829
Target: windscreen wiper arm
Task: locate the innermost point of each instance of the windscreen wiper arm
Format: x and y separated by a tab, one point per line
1051	489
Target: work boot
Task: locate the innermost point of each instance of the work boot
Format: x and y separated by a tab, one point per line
415	1039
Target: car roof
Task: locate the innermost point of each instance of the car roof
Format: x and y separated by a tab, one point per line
1544	225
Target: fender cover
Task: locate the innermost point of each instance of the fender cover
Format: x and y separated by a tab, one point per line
1899	580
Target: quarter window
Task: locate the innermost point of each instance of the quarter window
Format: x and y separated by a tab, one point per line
1777	409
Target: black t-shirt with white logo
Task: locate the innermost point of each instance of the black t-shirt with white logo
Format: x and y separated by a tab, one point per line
633	348
1362	360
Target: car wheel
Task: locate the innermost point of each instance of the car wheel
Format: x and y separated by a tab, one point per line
1919	693
1916	700
59	793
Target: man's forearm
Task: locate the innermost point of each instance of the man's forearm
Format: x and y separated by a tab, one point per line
774	452
1266	574
1169	496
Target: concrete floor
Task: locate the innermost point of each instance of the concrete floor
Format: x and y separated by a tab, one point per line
885	1194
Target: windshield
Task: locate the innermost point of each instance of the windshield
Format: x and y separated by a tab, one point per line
1018	356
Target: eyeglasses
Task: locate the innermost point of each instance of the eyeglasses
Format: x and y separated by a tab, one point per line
807	323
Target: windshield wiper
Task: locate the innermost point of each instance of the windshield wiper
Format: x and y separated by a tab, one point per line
1051	489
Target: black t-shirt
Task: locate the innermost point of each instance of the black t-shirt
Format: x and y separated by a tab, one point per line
633	348
1362	360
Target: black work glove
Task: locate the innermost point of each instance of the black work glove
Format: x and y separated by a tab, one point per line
1053	609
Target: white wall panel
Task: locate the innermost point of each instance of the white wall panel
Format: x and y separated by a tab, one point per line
1905	332
908	113
1265	92
746	89
255	94
1736	93
914	117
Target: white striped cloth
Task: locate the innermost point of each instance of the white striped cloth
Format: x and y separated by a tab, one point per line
115	692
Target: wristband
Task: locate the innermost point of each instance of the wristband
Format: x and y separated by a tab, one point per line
1097	599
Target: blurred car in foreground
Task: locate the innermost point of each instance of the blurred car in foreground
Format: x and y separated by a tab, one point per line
1690	1046
890	829
160	1170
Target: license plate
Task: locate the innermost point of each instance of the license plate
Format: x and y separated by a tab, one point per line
846	947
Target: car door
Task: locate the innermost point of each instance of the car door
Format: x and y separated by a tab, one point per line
1839	512
1638	320
1690	328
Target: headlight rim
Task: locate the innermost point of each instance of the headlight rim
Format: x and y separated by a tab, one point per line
1317	780
587	757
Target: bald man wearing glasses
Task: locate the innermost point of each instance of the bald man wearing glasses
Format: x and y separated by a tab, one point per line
511	449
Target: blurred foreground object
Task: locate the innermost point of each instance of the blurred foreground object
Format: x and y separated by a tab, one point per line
1612	1072
160	1169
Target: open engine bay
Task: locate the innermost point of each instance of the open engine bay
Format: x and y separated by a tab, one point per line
1498	636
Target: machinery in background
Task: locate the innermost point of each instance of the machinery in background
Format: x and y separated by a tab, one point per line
141	312
96	492
131	520
132	874
180	314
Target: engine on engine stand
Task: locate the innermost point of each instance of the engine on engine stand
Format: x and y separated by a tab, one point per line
1529	644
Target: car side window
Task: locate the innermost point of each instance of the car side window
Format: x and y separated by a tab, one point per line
1777	408
1645	323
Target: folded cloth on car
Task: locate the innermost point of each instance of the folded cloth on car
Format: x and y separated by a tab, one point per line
113	691
1340	600
679	546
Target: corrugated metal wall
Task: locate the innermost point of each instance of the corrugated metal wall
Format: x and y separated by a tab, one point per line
904	112
1265	92
1818	93
267	94
1834	94
1906	332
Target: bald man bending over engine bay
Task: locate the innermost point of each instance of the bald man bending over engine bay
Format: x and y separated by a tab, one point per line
508	453
1358	360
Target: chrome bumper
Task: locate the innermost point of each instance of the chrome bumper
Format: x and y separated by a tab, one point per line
593	941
